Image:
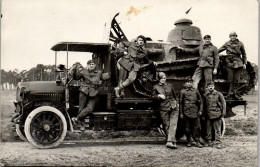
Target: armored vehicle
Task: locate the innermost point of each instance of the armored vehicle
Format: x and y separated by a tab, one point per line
44	108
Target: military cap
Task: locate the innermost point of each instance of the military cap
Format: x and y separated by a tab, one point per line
189	80
207	36
141	36
90	61
233	33
210	83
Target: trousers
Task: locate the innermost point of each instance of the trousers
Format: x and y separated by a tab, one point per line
233	74
206	71
170	121
192	128
216	124
86	105
126	78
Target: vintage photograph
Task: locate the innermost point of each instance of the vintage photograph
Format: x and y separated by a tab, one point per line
129	83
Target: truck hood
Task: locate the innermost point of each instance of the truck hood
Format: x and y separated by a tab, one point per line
41	87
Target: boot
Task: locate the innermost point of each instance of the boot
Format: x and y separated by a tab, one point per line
235	92
171	145
198	144
229	90
117	90
122	93
237	96
189	144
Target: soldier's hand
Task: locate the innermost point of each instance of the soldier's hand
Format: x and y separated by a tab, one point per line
125	53
155	64
100	82
161	96
244	66
181	116
215	71
200	113
178	47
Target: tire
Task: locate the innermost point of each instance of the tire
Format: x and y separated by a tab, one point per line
20	131
223	127
45	127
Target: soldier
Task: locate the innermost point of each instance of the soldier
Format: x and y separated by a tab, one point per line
208	61
131	63
191	107
235	63
90	81
168	107
214	110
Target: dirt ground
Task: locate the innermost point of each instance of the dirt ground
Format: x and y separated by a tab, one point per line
239	146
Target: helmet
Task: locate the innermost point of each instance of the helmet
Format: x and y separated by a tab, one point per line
233	33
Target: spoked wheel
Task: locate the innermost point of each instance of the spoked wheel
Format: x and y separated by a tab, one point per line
45	127
20	131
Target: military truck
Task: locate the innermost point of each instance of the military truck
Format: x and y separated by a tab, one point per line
44	108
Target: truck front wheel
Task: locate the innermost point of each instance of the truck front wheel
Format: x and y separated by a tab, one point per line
45	127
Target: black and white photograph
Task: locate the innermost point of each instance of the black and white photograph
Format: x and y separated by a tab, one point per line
129	83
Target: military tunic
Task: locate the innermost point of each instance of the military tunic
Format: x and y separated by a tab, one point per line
208	60
168	107
215	108
190	106
131	63
88	90
234	61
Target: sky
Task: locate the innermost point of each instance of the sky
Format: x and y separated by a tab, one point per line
29	28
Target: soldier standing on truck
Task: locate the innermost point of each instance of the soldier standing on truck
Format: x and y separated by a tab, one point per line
208	61
90	81
131	63
168	107
191	107
214	110
235	63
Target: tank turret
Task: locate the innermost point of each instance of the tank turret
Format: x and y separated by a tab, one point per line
184	34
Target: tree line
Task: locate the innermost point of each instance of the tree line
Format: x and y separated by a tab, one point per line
39	73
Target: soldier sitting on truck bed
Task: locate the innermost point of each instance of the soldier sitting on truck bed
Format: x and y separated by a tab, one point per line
131	62
90	81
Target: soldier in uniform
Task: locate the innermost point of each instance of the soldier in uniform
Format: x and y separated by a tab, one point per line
191	107
208	61
168	107
235	63
214	110
90	81
130	63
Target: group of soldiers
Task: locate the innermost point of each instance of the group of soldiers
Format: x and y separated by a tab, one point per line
211	106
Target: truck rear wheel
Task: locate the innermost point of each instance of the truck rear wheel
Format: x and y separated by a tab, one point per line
45	127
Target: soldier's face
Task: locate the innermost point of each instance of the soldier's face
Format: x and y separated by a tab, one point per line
189	84
233	37
163	79
211	87
140	41
207	40
91	66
